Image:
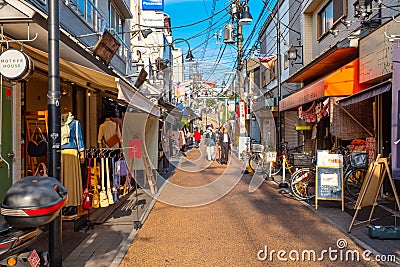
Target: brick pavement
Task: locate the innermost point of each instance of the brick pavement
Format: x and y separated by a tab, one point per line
226	232
233	229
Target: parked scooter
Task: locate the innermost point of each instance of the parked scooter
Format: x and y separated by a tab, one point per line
14	243
28	204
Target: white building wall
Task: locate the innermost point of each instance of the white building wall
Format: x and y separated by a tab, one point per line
178	66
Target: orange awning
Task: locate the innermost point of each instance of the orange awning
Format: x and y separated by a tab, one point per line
324	64
342	82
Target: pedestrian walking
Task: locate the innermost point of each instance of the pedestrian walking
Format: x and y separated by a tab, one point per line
210	142
224	143
197	137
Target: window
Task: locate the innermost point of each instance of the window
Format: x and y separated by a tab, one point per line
326	18
329	15
84	8
117	24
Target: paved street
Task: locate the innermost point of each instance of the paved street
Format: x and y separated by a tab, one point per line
236	229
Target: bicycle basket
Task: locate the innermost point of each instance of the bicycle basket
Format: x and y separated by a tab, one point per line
257	148
359	160
301	159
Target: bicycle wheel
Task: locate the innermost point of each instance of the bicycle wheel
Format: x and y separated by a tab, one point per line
255	163
353	181
302	184
276	167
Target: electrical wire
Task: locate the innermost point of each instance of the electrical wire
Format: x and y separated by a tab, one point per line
184	26
209	28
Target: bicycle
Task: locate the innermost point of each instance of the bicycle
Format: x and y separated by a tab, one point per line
355	173
355	169
256	160
276	167
302	183
258	163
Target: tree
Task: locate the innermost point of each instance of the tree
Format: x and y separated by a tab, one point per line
211	102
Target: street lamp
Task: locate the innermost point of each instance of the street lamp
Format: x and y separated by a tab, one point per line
145	33
292	54
189	55
362	9
245	16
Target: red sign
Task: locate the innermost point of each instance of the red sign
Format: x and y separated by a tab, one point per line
135	149
370	148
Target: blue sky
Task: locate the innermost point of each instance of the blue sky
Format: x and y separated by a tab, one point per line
188	12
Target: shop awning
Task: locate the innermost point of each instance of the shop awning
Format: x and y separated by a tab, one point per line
324	64
191	114
89	78
342	82
171	109
366	93
127	93
69	71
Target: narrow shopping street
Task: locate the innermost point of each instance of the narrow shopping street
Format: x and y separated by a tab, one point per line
232	230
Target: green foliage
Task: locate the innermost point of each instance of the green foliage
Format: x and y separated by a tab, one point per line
211	102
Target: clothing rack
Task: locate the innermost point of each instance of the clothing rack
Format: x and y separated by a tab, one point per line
103	152
108	153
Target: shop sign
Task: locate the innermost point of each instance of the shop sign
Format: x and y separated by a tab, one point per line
370	148
305	95
152	4
151	19
14	64
242	113
270	156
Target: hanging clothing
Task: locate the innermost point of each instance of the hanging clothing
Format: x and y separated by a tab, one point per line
72	144
71	176
106	130
71	133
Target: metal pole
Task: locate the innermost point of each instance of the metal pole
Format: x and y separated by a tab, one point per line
226	110
283	183
54	124
239	63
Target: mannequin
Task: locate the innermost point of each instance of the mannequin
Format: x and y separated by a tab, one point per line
72	154
106	130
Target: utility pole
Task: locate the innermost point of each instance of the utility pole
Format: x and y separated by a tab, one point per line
283	183
239	62
242	129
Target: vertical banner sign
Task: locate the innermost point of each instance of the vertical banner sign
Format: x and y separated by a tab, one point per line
395	142
242	117
370	148
153	5
242	113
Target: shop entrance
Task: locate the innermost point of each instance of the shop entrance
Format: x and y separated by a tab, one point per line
6	140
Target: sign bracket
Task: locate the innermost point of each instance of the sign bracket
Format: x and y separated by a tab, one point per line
3	39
